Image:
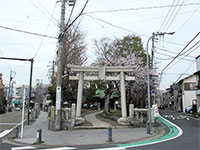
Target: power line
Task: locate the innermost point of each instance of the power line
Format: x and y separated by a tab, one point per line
45	33
27	32
184	72
61	36
51	15
186	21
141	8
127	30
71	13
183	57
166	16
116	26
172	52
175	16
176	74
171	57
43	12
170	15
181	51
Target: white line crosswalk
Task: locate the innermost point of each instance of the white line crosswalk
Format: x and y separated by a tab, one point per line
31	147
23	148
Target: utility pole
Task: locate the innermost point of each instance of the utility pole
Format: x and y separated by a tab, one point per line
30	89
148	78
59	71
53	68
9	90
152	50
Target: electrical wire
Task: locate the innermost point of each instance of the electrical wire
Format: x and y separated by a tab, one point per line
186	21
170	15
71	13
171	57
181	51
176	74
183	57
141	8
27	32
161	49
61	36
184	72
51	16
45	32
174	16
178	55
42	11
116	26
167	15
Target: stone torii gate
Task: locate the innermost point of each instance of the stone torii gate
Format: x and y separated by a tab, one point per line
102	70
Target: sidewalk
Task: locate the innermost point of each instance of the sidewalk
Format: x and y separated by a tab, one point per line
96	122
81	136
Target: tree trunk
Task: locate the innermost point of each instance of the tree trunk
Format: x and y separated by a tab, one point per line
107	104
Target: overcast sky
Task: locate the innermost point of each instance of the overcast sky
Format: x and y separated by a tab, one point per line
103	18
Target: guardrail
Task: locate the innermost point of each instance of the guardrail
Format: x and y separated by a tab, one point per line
6	132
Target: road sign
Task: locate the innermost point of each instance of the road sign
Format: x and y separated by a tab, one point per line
153	92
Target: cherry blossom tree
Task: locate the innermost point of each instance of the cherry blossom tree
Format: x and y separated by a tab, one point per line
126	52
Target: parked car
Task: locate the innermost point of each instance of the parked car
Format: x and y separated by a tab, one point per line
188	109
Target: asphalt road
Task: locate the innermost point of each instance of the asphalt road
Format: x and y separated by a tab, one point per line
10	119
189	140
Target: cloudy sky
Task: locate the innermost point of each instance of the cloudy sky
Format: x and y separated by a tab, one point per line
102	18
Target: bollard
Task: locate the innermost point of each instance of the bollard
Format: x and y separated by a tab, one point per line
109	134
39	136
17	131
148	128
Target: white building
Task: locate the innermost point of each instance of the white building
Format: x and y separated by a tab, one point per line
198	83
188	88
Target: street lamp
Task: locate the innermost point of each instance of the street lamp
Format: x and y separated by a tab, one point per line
148	80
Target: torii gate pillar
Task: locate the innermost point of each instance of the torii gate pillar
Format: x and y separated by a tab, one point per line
79	95
123	95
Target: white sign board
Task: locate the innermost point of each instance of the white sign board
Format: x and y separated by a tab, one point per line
58	98
155	108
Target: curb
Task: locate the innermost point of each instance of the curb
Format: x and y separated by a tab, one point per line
158	132
174	132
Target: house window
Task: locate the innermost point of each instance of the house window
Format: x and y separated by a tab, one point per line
190	86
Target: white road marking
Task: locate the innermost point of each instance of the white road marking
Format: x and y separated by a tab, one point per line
179	134
25	147
60	148
8	123
111	148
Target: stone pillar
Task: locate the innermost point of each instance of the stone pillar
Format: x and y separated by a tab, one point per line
123	95
152	114
79	95
99	106
131	110
73	115
137	115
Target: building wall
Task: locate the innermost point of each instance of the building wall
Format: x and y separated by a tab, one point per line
198	63
188	95
1	90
